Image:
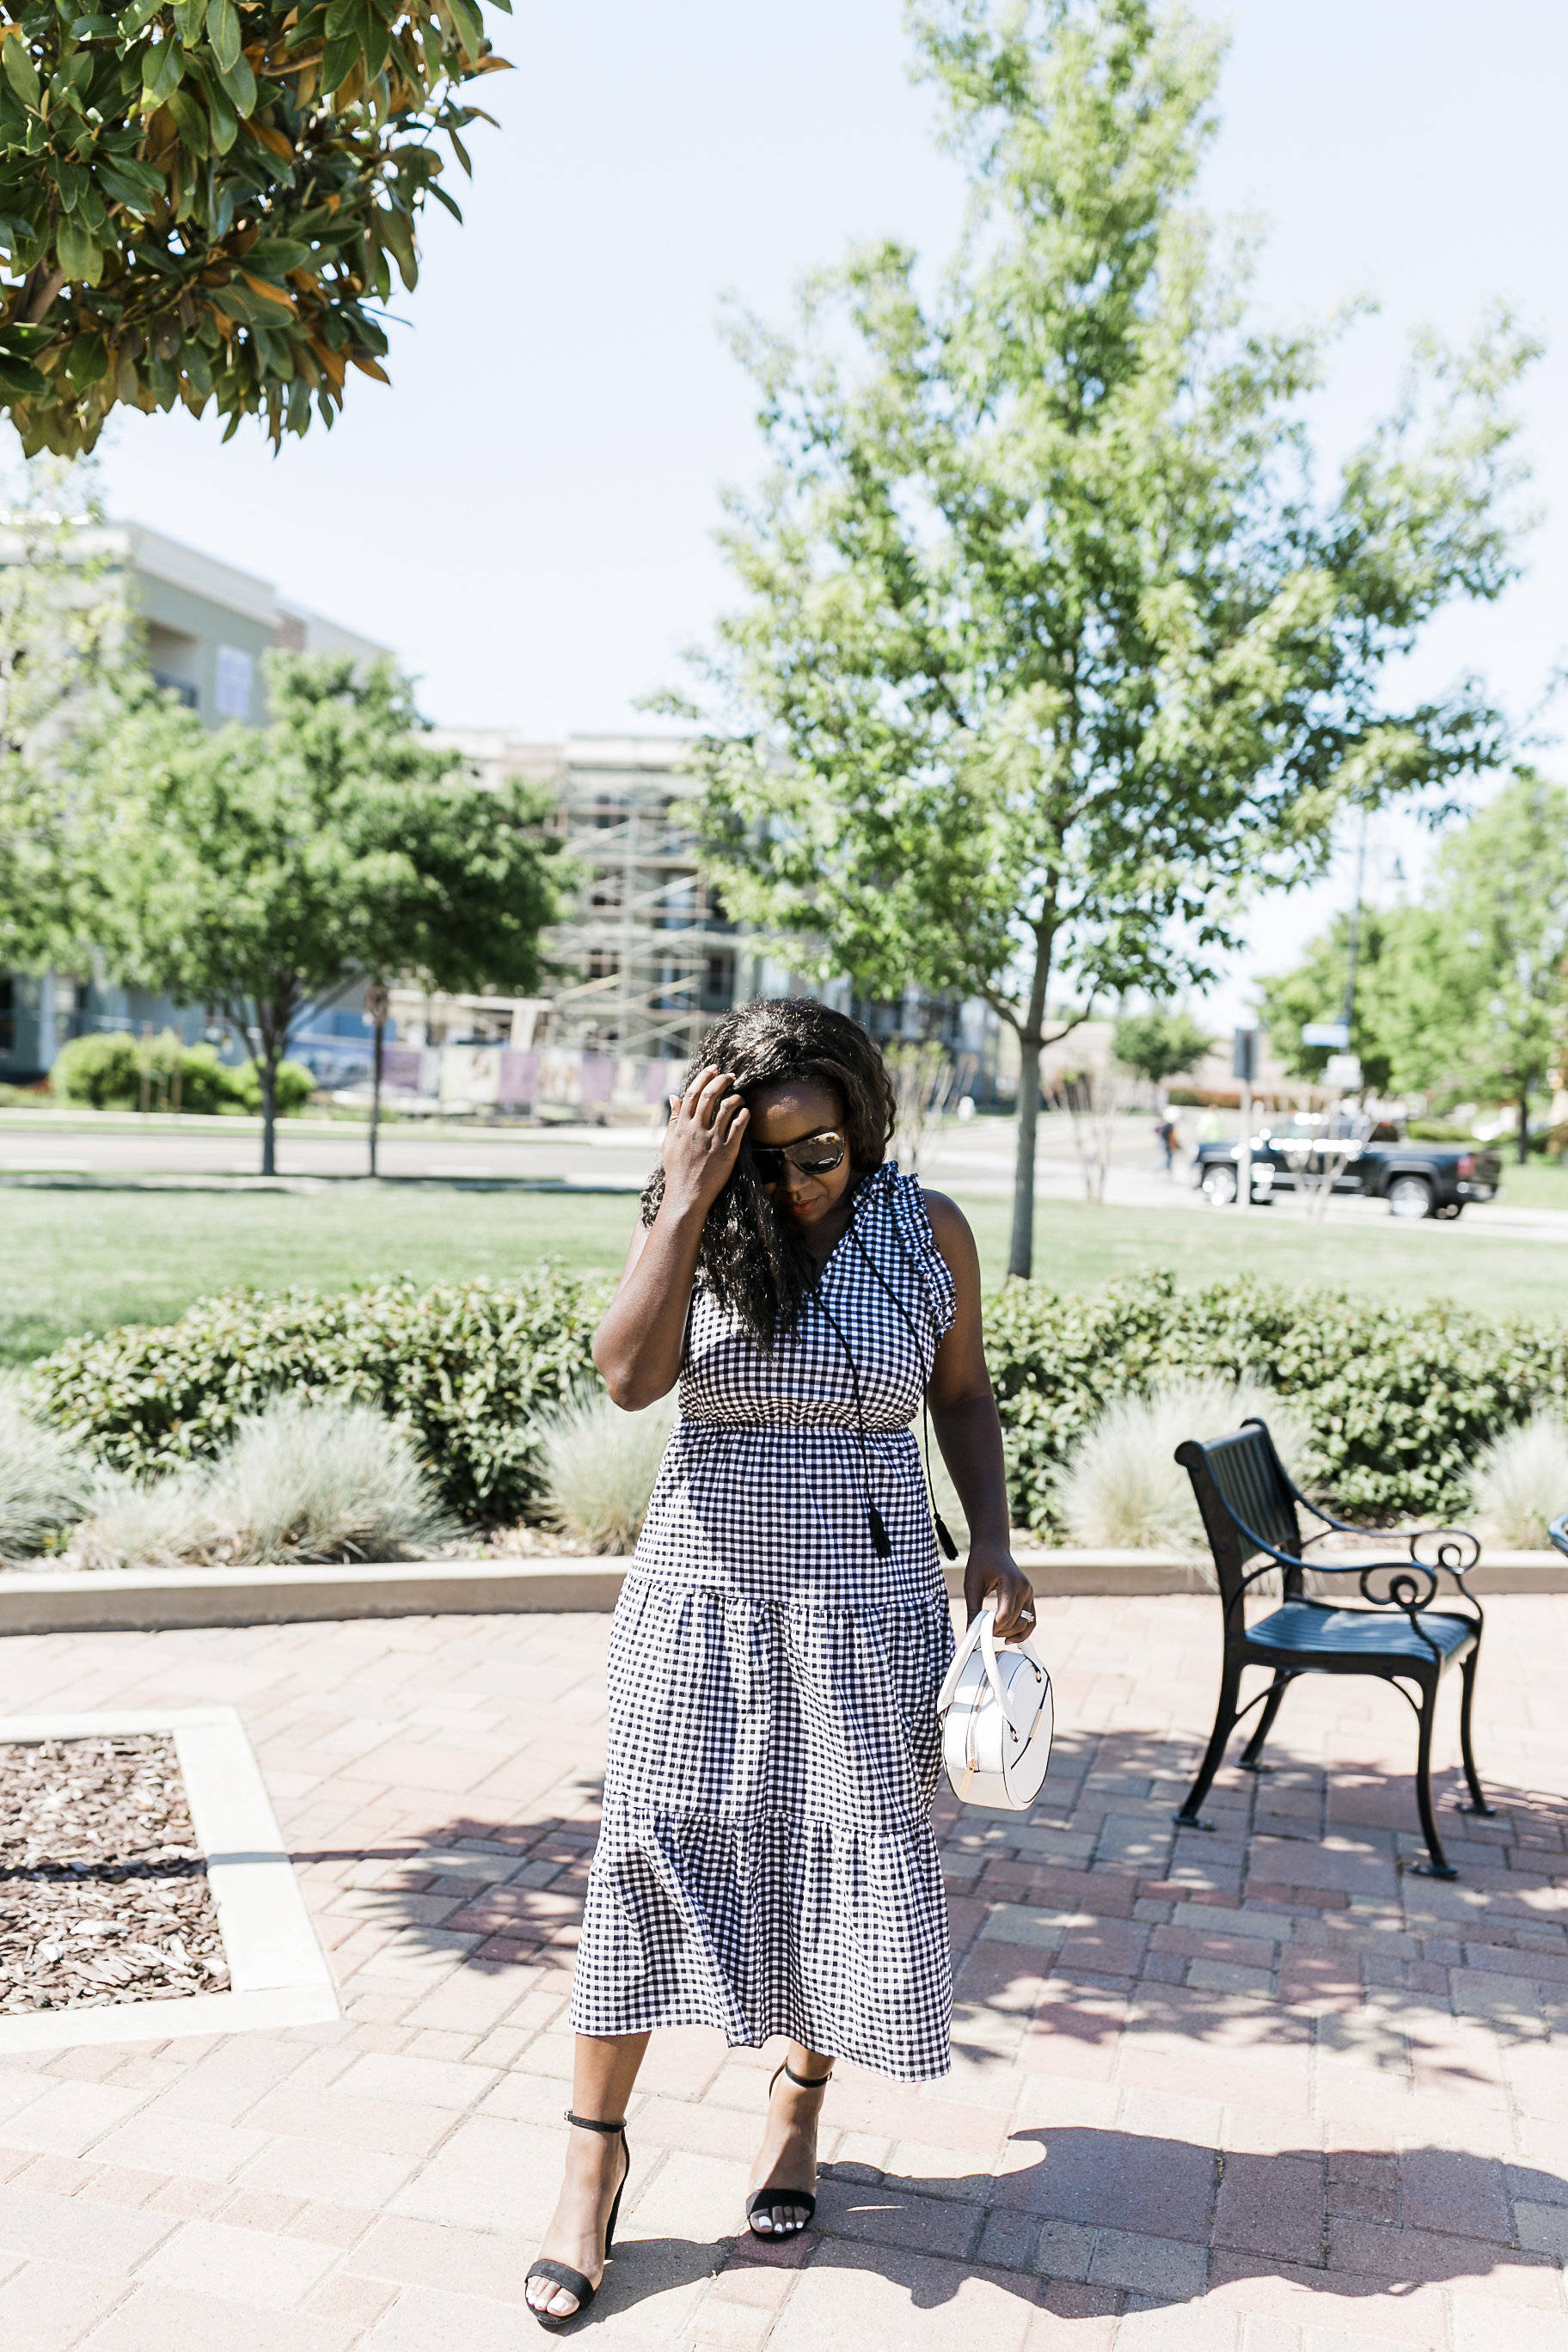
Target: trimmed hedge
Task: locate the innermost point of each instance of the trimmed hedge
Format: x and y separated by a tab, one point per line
470	1366
105	1070
1401	1399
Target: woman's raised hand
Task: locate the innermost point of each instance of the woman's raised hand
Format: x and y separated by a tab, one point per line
702	1140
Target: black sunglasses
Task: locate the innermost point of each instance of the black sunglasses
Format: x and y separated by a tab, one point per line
814	1155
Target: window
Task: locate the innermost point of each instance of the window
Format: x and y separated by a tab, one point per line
235	682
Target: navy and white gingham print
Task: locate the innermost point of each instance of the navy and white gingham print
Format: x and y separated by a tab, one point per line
767	1862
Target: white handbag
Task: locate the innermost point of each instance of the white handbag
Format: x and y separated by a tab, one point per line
997	1716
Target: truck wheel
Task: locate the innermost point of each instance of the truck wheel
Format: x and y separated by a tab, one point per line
1410	1196
1220	1186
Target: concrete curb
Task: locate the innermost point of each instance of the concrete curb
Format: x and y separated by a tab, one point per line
143	1600
279	1975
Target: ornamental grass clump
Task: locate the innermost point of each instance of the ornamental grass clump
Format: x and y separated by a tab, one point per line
304	1480
1122	1486
600	1464
47	1479
1522	1483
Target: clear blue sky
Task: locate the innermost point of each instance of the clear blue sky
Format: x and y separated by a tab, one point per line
526	515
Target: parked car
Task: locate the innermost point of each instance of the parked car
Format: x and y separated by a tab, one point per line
1416	1179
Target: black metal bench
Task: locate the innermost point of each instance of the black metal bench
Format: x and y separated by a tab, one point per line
1248	1503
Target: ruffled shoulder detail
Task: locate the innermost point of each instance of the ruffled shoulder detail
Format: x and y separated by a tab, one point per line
906	1195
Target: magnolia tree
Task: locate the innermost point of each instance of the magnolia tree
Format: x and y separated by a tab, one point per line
206	202
1052	647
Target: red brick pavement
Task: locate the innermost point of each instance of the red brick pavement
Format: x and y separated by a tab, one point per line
1257	2090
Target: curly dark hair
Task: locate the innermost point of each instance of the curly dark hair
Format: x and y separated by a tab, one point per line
754	1263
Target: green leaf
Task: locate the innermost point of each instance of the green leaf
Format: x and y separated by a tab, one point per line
223	32
20	380
397	234
130	182
222	117
191	120
81	255
340	56
240	82
94	29
136	18
87	362
274	257
470	25
71	181
20	71
161	71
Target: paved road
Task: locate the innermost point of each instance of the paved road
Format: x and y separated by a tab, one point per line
976	1159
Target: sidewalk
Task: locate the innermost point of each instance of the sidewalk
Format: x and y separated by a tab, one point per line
1255	2091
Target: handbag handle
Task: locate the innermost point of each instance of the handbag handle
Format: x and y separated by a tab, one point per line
980	1635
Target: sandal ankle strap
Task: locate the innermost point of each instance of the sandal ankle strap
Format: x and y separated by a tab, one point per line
588	2122
808	2082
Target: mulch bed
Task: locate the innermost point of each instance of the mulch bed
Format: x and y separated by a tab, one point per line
103	1890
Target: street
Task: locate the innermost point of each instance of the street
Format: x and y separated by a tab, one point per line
974	1160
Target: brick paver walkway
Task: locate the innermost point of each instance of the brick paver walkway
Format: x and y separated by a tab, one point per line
1257	2091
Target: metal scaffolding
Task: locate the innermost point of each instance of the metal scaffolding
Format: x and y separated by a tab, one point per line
654	956
649	957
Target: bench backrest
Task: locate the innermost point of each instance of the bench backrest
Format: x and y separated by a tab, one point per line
1239	1482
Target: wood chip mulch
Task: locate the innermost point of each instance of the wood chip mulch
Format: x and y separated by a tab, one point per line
103	1890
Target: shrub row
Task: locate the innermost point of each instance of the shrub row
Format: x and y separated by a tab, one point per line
105	1070
1400	1400
468	1366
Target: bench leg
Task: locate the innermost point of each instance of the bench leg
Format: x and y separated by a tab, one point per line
1439	1866
1214	1755
1478	1795
1254	1748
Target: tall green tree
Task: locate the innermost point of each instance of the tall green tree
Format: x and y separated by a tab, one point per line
1465	994
205	201
1314	991
66	641
260	870
1052	649
1159	1044
1502	882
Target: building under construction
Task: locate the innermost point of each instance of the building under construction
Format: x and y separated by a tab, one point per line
648	956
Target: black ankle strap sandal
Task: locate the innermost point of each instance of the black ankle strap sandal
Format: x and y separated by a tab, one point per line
761	2201
561	2273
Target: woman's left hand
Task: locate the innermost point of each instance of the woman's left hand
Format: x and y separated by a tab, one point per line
990	1575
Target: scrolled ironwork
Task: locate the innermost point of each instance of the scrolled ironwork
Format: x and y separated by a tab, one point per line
1455	1549
1411	1584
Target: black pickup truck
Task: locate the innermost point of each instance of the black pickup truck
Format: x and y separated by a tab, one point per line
1416	1179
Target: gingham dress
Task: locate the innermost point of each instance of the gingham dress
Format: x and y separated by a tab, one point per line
767	1862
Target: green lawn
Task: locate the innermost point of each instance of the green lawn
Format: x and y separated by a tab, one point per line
81	1259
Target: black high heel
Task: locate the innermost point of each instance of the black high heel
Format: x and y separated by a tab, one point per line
563	2273
760	2200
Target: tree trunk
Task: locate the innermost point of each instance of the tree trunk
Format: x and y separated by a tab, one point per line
267	1072
1021	1256
1524	1138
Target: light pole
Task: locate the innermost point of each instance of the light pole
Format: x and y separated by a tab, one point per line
1244	1065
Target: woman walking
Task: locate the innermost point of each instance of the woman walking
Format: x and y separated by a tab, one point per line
765	1863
